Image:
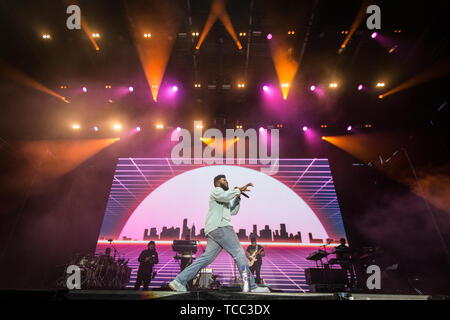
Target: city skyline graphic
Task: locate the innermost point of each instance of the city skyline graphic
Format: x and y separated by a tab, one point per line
266	234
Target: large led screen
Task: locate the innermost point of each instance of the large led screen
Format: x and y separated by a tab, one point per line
292	213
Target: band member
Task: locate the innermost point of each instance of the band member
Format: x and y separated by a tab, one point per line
223	203
254	254
343	254
106	258
147	259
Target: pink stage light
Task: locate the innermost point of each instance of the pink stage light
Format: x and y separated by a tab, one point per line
130	88
265	88
178	129
261	129
312	88
374	35
360	87
138	128
349	128
305	128
95	128
174	88
84	89
269	36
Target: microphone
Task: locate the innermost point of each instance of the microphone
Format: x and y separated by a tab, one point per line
243	193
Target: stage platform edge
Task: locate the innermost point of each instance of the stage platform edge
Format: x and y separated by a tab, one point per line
73	295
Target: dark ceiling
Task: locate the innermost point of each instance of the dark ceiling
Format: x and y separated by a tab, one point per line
70	59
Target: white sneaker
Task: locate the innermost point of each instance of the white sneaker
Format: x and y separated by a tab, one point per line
176	286
261	290
246	282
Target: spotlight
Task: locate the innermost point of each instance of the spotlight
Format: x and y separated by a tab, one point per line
46	36
241	85
374	35
360	87
333	85
154	86
269	36
305	128
261	129
323	126
95	128
349	128
174	88
312	88
76	126
323	137
200	126
117	126
84	89
381	96
197	85
159	126
178	129
147	35
380	84
95	35
138	128
265	88
393	49
130	88
107	86
285	85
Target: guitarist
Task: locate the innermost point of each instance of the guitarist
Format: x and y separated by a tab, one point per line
254	255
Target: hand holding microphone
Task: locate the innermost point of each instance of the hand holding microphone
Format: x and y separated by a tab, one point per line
245	188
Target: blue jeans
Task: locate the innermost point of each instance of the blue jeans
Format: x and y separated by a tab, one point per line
218	239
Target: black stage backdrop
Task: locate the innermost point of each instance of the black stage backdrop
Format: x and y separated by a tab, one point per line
44	226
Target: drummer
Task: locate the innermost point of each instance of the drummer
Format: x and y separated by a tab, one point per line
106	257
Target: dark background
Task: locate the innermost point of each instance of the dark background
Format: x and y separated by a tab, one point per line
44	224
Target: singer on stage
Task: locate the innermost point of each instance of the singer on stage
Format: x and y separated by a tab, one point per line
223	203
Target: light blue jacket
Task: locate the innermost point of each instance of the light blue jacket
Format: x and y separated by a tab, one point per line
222	205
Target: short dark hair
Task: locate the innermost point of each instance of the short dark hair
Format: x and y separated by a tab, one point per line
151	242
217	178
342	240
252	239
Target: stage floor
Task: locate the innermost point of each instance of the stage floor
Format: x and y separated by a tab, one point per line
283	266
131	295
226	295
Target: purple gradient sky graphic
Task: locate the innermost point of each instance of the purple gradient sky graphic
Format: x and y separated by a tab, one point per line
186	196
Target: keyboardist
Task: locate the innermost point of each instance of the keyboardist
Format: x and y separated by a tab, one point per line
343	256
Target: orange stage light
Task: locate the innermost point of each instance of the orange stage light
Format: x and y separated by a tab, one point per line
285	65
358	19
162	18
438	70
218	11
22	78
47	160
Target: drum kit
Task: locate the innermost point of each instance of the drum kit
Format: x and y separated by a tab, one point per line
99	272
